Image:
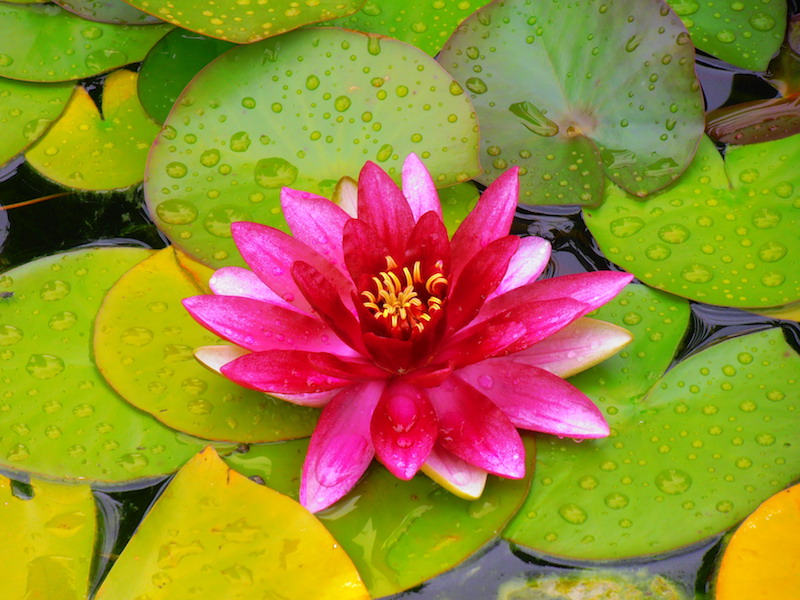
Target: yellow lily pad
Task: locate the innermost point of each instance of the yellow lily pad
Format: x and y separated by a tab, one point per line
144	343
762	560
89	151
238	540
47	541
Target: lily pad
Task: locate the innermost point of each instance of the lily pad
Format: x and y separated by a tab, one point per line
756	121
48	541
170	65
90	151
26	111
59	418
725	234
745	33
569	91
711	439
425	24
51	44
246	540
257	119
761	559
244	21
108	11
398	533
151	364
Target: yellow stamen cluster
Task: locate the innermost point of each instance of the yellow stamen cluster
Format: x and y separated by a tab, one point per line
404	298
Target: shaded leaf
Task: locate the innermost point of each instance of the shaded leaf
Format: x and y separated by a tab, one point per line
108	11
571	92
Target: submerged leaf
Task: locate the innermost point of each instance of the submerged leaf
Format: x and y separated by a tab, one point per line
239	540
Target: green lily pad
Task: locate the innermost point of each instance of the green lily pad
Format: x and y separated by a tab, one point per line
59	418
26	111
709	441
51	44
425	24
170	65
90	151
568	91
745	33
257	119
151	363
108	11
245	21
48	541
398	533
725	234
239	540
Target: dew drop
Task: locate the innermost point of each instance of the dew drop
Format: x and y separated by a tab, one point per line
136	336
9	335
673	481
44	366
312	82
274	173
54	290
133	462
572	513
476	85
62	321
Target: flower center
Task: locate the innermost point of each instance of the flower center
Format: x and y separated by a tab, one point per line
404	300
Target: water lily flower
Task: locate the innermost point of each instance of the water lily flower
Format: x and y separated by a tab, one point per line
426	352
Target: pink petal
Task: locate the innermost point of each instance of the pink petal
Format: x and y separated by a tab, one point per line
282	372
317	222
454	474
404	429
341	447
260	326
578	346
364	254
236	281
510	331
270	254
313	400
215	357
535	399
593	289
526	265
382	205
419	189
480	276
475	430
428	243
489	220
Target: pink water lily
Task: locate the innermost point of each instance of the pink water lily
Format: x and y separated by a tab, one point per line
426	352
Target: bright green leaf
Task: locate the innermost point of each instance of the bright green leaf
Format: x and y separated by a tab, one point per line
425	24
238	540
745	33
725	234
51	44
569	91
236	136
26	111
245	21
90	151
150	362
59	419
